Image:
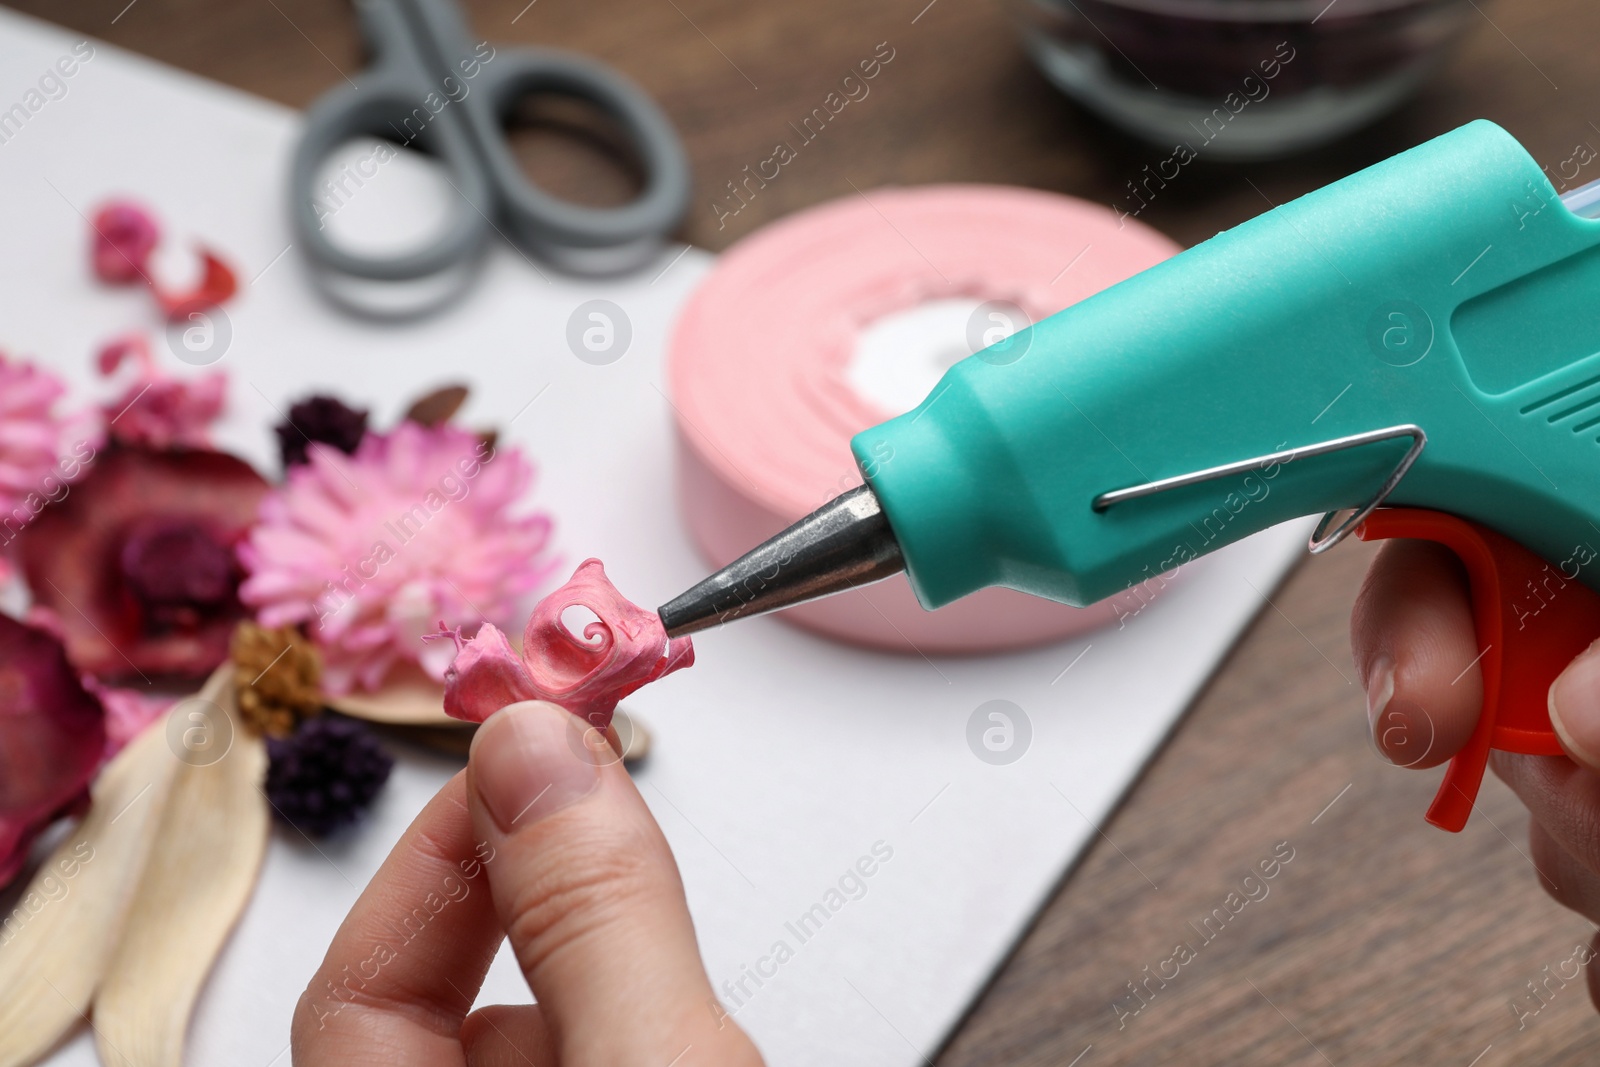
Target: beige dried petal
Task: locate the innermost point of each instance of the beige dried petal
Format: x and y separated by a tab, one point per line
408	698
57	942
632	735
201	871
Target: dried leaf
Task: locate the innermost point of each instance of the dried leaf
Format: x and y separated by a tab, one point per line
438	406
56	945
201	871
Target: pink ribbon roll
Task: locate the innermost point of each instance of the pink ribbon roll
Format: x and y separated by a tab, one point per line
764	355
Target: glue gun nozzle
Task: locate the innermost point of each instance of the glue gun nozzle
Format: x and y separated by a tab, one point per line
844	544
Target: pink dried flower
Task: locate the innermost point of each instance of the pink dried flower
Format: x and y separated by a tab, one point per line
368	550
624	648
158	410
128	712
137	566
124	236
41	450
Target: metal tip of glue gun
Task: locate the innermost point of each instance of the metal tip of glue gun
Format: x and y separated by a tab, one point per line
843	544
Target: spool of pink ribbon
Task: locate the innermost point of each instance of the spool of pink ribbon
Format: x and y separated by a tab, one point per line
844	315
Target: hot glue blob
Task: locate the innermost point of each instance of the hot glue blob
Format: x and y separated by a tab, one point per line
625	647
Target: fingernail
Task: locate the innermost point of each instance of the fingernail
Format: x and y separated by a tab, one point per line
1575	706
525	767
1380	690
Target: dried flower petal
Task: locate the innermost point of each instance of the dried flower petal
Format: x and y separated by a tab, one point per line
158	410
216	285
624	648
41	450
124	236
128	712
52	738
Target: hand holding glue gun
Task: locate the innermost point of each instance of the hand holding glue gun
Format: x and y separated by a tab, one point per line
1416	646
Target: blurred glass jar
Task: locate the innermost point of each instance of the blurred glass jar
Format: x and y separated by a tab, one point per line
1250	79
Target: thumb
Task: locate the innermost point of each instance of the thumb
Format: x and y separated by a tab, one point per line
1575	707
588	893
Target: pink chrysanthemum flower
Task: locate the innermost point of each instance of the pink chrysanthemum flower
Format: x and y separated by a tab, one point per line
41	450
370	550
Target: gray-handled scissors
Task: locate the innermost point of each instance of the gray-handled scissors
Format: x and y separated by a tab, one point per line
430	88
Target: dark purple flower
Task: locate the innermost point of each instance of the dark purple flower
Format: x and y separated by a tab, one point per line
325	775
323	420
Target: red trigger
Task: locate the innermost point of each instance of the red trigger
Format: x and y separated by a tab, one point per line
1531	619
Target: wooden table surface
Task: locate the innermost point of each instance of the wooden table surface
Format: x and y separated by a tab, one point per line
1382	941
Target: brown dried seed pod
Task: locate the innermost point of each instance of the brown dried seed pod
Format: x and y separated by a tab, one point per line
278	673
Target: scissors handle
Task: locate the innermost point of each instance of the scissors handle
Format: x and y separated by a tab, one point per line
390	101
558	228
425	88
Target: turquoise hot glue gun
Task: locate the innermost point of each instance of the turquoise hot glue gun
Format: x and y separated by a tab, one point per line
1422	334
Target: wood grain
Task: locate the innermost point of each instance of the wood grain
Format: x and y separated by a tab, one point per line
1382	941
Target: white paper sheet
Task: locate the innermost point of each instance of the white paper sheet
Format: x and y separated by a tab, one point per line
780	760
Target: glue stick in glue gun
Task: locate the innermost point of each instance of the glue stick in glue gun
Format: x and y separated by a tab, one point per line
1419	342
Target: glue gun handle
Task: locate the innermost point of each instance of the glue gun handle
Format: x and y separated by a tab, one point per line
1531	616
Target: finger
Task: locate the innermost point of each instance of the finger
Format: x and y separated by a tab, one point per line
1575	707
1569	882
1416	651
1574	886
590	897
407	962
1562	797
507	1035
1593	972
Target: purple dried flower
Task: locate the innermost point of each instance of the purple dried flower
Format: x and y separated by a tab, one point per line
326	774
320	419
